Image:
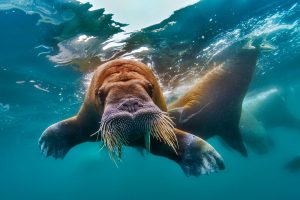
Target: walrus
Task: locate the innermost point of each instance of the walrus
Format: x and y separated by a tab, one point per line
258	117
212	107
124	106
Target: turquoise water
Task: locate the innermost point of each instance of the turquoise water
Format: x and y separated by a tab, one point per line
41	82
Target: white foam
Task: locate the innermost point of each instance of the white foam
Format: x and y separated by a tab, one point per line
4	107
115	41
84	38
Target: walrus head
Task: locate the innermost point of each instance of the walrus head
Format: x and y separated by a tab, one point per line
132	106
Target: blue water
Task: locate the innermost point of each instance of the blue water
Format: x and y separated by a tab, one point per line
47	52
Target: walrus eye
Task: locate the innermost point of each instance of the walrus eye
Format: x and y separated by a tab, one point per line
101	95
149	89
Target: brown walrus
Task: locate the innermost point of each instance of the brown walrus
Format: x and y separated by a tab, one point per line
213	106
125	98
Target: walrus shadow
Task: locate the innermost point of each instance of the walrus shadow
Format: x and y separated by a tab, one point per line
293	165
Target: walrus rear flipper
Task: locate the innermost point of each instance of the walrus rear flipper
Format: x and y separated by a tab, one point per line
215	102
234	140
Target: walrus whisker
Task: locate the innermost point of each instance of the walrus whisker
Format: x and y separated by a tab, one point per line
96	133
162	128
101	148
112	138
147	140
158	125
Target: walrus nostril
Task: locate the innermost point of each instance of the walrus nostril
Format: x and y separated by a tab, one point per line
131	105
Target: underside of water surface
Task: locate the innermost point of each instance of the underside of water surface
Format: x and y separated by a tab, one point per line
49	50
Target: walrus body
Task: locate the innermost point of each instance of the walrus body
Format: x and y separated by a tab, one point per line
125	98
213	106
263	103
258	117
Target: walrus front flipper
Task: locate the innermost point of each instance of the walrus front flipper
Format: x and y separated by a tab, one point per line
213	106
194	155
60	137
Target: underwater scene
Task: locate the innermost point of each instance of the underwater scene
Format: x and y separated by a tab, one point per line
201	104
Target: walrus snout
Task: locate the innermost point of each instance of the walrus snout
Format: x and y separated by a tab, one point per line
131	105
131	113
131	120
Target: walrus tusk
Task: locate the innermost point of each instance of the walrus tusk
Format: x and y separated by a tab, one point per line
147	141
